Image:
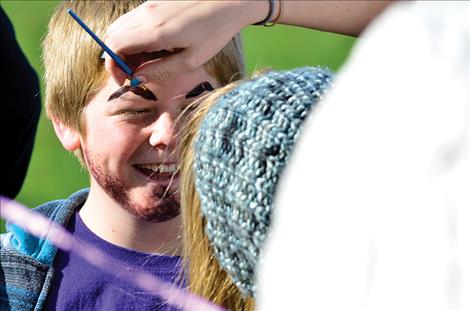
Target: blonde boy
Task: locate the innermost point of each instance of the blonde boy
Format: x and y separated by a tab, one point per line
126	139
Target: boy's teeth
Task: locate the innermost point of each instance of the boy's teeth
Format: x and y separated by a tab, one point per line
160	168
171	168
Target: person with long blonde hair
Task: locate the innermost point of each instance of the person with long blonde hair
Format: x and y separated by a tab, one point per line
234	146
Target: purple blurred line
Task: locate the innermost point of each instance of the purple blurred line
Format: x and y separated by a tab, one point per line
41	227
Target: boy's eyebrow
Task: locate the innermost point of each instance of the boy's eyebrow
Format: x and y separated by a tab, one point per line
139	90
199	89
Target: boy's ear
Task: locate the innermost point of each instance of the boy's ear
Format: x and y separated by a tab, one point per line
69	137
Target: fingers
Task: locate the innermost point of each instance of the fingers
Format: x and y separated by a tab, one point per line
121	21
168	67
136	62
138	40
129	20
128	40
139	30
116	73
196	29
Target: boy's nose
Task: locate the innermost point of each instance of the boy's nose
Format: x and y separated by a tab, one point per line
163	133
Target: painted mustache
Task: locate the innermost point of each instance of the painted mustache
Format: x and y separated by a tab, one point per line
199	89
138	90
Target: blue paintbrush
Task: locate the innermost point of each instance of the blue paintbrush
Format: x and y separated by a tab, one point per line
127	70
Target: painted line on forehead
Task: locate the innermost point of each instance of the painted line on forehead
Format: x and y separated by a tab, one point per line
199	89
139	90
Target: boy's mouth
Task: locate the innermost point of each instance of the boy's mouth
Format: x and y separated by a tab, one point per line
158	172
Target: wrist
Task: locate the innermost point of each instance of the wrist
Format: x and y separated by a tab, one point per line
273	15
252	12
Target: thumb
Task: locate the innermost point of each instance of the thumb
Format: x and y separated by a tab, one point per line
168	67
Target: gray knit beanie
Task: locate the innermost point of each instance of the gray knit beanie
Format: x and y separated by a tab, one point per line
242	147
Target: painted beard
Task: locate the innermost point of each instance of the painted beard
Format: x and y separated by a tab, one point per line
162	205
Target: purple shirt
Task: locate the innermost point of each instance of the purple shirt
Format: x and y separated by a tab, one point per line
77	285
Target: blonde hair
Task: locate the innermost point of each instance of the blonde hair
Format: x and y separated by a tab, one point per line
204	275
74	69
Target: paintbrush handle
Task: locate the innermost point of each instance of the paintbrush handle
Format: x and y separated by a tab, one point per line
113	55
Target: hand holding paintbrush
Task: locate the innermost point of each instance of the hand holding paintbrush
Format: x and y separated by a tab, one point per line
124	67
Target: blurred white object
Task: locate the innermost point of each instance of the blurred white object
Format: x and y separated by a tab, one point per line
373	212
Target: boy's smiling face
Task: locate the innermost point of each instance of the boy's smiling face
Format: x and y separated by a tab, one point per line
130	144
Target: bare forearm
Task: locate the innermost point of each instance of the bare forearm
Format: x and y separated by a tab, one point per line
199	29
345	17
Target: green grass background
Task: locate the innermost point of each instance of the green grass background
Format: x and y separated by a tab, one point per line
54	173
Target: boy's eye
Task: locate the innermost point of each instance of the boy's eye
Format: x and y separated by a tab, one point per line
134	112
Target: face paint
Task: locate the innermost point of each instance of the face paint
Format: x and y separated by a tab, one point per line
162	205
199	89
139	90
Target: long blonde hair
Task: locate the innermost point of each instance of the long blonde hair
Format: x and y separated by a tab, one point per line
204	275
